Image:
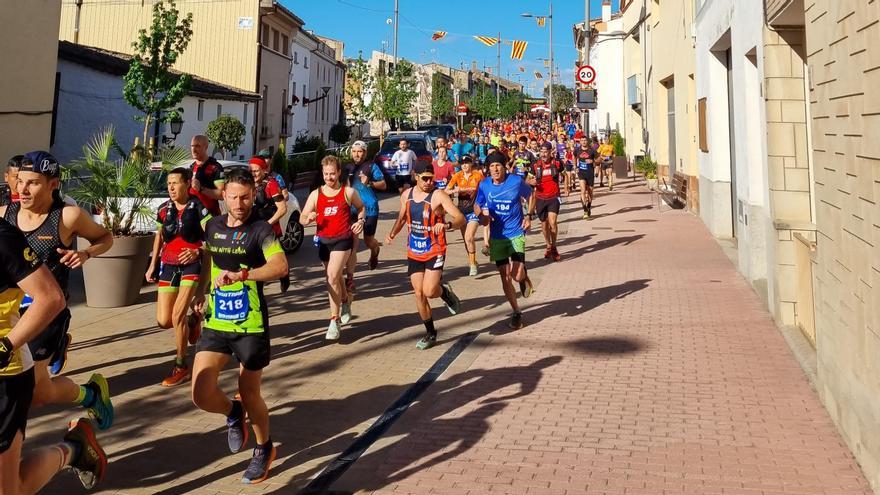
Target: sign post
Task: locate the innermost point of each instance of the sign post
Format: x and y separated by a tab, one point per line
462	111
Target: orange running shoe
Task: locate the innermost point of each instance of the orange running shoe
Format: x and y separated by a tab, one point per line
179	375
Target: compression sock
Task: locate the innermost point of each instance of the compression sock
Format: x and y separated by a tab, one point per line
444	294
429	326
180	362
237	410
86	396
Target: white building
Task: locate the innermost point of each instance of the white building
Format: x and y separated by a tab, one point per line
299	88
325	71
90	99
606	57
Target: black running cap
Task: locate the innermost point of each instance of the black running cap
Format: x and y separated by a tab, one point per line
496	157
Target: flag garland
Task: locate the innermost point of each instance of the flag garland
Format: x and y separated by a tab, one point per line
538	75
486	40
438	35
518	49
522	69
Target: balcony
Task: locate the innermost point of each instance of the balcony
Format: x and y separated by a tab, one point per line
784	13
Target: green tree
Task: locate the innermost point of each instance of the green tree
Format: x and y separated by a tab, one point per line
483	102
149	84
340	133
441	99
394	95
563	98
359	84
511	104
226	132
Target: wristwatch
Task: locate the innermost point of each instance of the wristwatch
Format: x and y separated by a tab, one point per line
531	216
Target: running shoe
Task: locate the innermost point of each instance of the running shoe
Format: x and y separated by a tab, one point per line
453	303
485	250
59	359
515	321
178	375
101	408
91	463
589	210
427	341
236	431
586	216
193	328
610	187
332	330
547	253
374	259
473	271
345	313
556	255
285	283
258	469
525	288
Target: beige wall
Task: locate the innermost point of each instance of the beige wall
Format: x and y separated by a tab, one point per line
219	50
29	60
633	66
844	60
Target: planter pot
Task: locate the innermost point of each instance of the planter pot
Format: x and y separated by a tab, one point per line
620	167
114	279
651	183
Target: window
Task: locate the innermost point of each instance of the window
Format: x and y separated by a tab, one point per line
296	57
266	36
306	61
265	108
201	113
284	111
701	116
244	115
275	40
285	45
219	110
304	93
293	89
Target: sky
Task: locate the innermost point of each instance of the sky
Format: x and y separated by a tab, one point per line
362	25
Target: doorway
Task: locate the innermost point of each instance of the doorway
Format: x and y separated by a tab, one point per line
670	124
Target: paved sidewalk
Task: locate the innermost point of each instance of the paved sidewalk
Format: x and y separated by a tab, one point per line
648	366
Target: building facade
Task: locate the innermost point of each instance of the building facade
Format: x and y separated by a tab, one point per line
278	26
633	19
325	71
606	56
27	87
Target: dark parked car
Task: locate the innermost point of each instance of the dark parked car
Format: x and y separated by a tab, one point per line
438	130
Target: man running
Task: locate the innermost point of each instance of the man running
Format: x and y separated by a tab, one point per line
330	206
605	153
366	178
241	255
545	201
269	202
207	181
464	183
462	148
523	159
403	160
498	204
22	270
180	224
50	226
586	157
423	209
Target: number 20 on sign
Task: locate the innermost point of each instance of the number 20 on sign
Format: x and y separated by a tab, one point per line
586	74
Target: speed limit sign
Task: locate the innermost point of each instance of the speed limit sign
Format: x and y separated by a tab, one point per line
586	74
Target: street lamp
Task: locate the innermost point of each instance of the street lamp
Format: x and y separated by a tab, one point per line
176	127
549	93
325	89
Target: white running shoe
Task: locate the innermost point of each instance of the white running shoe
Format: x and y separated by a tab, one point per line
345	313
332	330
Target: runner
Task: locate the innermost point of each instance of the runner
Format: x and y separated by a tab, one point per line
22	270
586	157
423	209
50	226
269	202
464	183
605	152
546	199
462	148
207	181
366	178
444	168
330	207
179	235
241	254
569	168
402	160
498	204
523	159
9	190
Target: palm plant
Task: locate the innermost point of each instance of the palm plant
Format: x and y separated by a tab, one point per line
117	185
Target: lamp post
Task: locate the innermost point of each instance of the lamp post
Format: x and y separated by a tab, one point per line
550	92
176	126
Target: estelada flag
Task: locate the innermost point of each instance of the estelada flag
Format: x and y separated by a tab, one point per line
541	21
438	35
486	40
518	49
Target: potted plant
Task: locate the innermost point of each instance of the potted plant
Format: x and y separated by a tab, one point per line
119	187
648	168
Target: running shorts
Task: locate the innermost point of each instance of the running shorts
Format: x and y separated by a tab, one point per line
435	263
588	175
338	244
472	217
543	207
250	349
370	226
403	179
173	277
606	165
16	394
569	167
49	341
502	251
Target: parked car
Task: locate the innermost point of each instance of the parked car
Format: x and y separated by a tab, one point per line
418	141
438	130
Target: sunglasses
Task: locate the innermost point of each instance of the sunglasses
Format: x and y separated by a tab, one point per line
426	178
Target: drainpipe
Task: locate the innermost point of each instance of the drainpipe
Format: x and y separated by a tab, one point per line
257	105
76	22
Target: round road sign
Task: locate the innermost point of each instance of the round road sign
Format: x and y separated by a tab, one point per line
586	74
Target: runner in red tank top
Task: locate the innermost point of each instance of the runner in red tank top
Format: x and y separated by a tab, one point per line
423	209
330	207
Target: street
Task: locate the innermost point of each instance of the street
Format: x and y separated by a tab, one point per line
647	365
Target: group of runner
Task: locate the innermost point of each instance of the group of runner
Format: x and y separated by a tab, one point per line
211	268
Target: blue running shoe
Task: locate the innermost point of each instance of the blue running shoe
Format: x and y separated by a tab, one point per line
237	432
258	469
101	409
59	359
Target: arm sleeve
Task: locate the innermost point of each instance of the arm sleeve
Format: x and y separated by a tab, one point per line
17	258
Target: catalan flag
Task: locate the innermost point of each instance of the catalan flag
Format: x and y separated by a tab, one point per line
438	35
486	40
541	21
518	49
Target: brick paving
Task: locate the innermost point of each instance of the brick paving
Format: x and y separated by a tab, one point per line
647	366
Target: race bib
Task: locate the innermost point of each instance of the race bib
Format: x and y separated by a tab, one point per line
501	209
403	168
440	184
419	245
26	302
231	305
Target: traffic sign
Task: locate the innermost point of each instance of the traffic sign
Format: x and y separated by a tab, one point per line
462	109
586	74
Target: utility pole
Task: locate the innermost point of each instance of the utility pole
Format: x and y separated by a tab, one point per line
498	76
396	22
550	99
585	124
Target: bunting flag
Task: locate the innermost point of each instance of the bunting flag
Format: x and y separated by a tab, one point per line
518	49
538	75
541	21
486	40
522	69
438	35
546	63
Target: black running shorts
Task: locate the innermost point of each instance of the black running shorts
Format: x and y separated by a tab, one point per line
543	207
251	349
328	245
16	394
435	263
588	175
49	341
370	226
